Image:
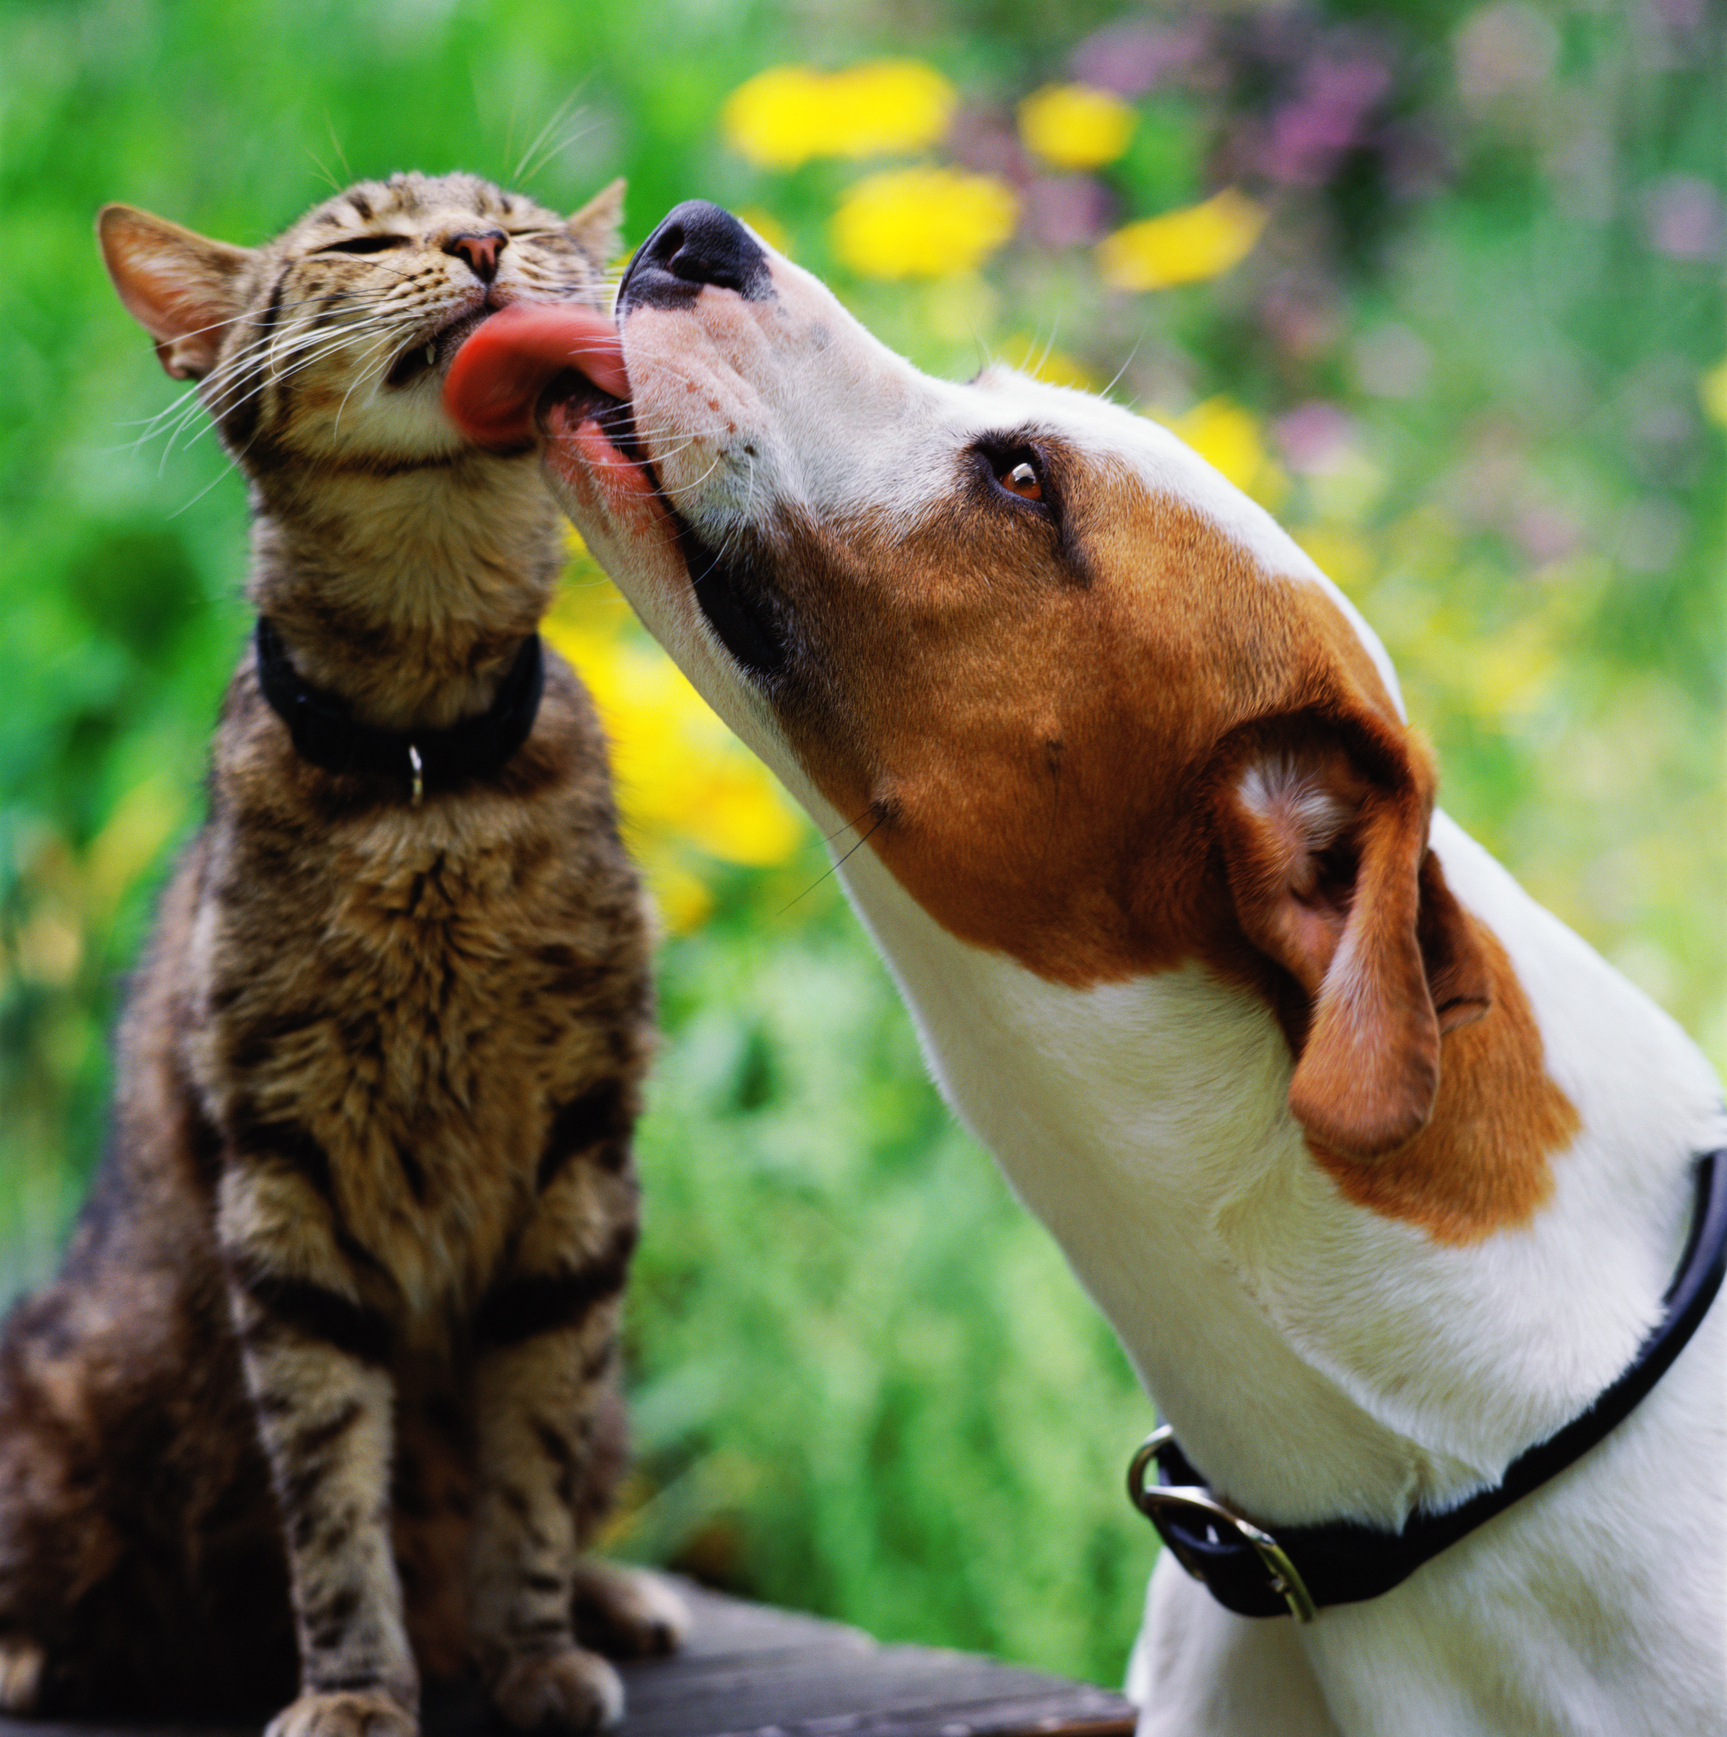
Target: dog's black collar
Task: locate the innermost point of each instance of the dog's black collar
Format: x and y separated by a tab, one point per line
1300	1570
326	732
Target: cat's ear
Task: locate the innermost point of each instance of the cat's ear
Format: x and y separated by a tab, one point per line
182	288
595	229
1324	840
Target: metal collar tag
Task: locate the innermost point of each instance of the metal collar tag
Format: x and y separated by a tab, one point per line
1204	1516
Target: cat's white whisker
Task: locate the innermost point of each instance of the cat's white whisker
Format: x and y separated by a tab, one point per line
556	119
364	376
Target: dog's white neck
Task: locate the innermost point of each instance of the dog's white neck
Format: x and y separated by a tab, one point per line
1316	1359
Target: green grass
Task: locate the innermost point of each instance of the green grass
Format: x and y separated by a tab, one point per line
867	1382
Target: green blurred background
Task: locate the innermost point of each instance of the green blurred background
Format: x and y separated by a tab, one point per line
1475	359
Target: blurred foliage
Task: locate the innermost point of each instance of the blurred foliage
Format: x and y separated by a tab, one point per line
692	797
1442	287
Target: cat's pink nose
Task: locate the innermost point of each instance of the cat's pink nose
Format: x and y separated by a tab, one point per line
480	249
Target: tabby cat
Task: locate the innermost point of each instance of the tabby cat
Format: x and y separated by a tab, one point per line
328	1381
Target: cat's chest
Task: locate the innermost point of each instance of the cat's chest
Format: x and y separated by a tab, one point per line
421	1001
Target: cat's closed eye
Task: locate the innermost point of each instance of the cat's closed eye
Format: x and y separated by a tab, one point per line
366	244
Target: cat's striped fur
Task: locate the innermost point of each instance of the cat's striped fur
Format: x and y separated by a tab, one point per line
327	1384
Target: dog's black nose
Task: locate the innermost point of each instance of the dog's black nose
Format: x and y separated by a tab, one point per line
696	244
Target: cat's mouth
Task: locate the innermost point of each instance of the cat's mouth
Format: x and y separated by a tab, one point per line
433	351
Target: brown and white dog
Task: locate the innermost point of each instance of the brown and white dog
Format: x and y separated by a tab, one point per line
1378	1171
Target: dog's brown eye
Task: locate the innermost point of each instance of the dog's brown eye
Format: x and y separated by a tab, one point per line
1022	480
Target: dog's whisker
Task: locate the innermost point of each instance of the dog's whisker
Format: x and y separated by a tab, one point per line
1054	330
848	825
837	865
1116	377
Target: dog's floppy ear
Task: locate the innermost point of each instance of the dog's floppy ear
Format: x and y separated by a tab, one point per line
1325	844
182	288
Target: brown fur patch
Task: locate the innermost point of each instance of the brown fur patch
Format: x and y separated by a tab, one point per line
1038	757
1483	1164
1040	722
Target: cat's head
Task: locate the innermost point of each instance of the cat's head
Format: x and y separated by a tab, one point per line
327	346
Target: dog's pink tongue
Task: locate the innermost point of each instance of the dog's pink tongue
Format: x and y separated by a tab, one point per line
499	373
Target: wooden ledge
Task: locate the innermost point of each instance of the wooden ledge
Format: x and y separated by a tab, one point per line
773	1673
752	1671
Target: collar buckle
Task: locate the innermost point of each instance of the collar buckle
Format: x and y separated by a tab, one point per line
1189	1518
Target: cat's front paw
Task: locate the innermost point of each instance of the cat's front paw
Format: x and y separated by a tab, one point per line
344	1715
569	1690
626	1613
21	1667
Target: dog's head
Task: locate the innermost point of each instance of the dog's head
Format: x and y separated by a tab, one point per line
1084	700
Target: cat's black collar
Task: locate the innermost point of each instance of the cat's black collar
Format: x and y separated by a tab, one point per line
1302	1569
326	733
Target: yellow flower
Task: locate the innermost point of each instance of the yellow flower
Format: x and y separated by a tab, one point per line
1075	126
1226	435
1712	391
683	780
923	222
788	114
681	897
1199	241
